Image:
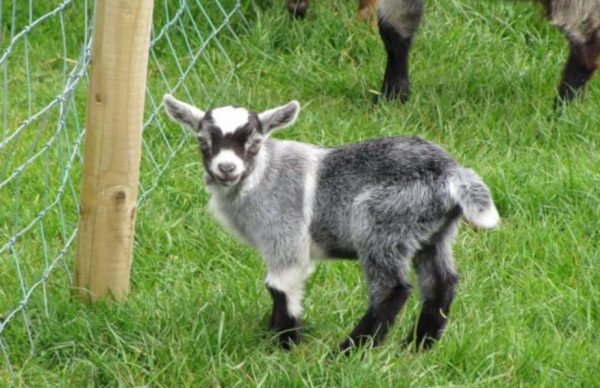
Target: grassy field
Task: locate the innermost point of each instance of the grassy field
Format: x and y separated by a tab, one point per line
527	310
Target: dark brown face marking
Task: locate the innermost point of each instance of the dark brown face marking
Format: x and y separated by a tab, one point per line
244	141
235	141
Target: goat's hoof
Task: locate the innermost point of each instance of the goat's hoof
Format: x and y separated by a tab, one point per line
402	98
420	344
396	90
346	346
395	95
390	96
289	338
297	8
562	100
352	343
409	343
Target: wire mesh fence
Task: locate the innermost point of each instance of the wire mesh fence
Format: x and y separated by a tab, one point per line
45	55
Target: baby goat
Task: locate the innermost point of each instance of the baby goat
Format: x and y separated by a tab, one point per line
385	202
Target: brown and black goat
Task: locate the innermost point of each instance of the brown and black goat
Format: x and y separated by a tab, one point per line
399	19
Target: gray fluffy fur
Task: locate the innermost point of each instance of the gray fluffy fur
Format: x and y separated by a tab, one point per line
579	19
404	15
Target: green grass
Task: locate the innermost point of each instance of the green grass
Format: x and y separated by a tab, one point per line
483	77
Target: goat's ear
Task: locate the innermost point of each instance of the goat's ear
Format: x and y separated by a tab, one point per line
183	113
280	117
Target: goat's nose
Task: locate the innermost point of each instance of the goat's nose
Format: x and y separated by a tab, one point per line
226	167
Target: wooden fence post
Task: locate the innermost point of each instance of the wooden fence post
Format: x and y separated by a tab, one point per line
112	151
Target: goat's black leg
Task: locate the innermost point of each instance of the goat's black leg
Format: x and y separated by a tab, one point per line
579	22
297	8
398	22
286	286
437	280
395	80
287	326
378	319
580	67
385	273
434	313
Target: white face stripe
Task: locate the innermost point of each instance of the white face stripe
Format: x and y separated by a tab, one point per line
227	156
228	118
253	180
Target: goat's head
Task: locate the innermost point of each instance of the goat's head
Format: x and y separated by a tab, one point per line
230	138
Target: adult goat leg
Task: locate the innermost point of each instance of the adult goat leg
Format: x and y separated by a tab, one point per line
580	21
398	22
580	67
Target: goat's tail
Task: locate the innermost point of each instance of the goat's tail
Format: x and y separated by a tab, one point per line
473	196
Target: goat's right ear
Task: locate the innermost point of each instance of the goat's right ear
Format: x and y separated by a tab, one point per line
183	113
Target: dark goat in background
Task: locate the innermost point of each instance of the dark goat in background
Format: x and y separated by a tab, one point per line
399	19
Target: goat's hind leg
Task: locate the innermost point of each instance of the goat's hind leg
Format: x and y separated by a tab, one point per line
437	280
398	22
388	291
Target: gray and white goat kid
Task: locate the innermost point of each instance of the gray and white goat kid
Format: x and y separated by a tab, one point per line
385	202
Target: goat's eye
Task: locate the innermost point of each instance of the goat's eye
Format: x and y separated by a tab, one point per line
254	147
203	142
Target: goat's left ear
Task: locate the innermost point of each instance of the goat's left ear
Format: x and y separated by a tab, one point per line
280	117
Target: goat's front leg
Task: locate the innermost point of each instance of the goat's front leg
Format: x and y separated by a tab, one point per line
286	287
580	67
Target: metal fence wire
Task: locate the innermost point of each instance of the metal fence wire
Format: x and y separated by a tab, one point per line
45	48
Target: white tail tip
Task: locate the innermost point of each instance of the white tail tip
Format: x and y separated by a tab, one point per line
488	218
